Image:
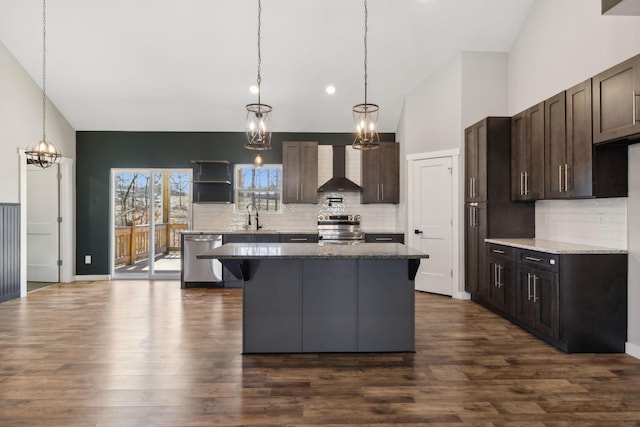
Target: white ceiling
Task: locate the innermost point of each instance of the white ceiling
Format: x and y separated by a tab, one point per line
186	65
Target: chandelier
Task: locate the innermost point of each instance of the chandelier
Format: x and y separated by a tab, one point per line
258	125
365	115
44	153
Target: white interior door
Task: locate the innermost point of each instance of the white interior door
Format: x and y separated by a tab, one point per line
42	224
433	223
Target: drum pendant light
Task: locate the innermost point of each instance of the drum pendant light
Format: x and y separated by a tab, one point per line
365	115
258	125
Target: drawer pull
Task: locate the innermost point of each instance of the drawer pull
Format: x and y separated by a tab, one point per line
383	239
531	258
497	251
298	239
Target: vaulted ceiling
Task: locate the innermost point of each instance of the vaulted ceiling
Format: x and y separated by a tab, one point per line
186	65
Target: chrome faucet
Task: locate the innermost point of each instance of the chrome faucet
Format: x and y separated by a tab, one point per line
252	205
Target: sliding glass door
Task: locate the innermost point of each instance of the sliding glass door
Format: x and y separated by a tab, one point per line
149	210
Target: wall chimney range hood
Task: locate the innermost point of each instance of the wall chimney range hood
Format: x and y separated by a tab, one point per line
339	181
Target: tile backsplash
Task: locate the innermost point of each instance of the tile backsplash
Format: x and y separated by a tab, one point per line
599	222
298	217
303	217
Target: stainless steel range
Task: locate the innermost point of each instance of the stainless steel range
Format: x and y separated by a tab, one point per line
339	229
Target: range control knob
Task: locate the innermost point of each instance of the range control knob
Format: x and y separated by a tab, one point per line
321	217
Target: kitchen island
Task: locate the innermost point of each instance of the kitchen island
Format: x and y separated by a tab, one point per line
305	297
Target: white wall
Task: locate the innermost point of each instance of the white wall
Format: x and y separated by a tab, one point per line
484	92
433	111
562	43
21	123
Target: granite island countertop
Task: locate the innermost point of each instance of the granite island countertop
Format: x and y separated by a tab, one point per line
261	231
553	247
243	251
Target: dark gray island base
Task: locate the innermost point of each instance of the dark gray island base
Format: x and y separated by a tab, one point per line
310	298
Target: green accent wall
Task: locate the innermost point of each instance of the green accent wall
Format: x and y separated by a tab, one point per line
99	152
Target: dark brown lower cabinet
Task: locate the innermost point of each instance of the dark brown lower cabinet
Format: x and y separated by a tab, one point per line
501	278
537	300
475	233
576	302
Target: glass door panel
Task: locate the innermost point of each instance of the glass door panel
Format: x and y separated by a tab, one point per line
150	208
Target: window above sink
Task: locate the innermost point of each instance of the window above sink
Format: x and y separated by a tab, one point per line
261	187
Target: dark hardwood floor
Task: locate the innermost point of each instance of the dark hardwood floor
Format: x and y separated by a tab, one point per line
139	353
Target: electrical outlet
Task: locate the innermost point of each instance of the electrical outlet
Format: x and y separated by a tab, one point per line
87	259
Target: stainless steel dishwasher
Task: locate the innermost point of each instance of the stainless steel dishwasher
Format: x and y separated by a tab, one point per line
201	271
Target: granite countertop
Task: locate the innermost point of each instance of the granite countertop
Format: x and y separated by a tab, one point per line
268	231
553	247
311	251
262	231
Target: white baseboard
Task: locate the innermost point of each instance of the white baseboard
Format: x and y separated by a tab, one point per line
91	278
632	350
461	295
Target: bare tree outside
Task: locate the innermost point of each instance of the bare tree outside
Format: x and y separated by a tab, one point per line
133	201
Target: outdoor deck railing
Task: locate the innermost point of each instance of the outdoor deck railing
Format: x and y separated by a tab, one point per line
135	240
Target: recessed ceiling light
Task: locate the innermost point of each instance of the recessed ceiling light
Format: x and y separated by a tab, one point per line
331	89
254	89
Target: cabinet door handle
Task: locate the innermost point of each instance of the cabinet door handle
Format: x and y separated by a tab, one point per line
297	191
529	286
532	258
382	191
535	280
521	183
500	268
634	107
560	178
566	177
475	216
301	191
472	216
526	183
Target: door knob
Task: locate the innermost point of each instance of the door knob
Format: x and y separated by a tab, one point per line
417	231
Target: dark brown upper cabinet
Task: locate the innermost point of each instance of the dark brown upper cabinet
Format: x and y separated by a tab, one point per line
616	101
568	144
300	172
475	143
527	154
574	167
381	174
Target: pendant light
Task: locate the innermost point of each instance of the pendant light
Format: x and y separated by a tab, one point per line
44	153
258	125
365	115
